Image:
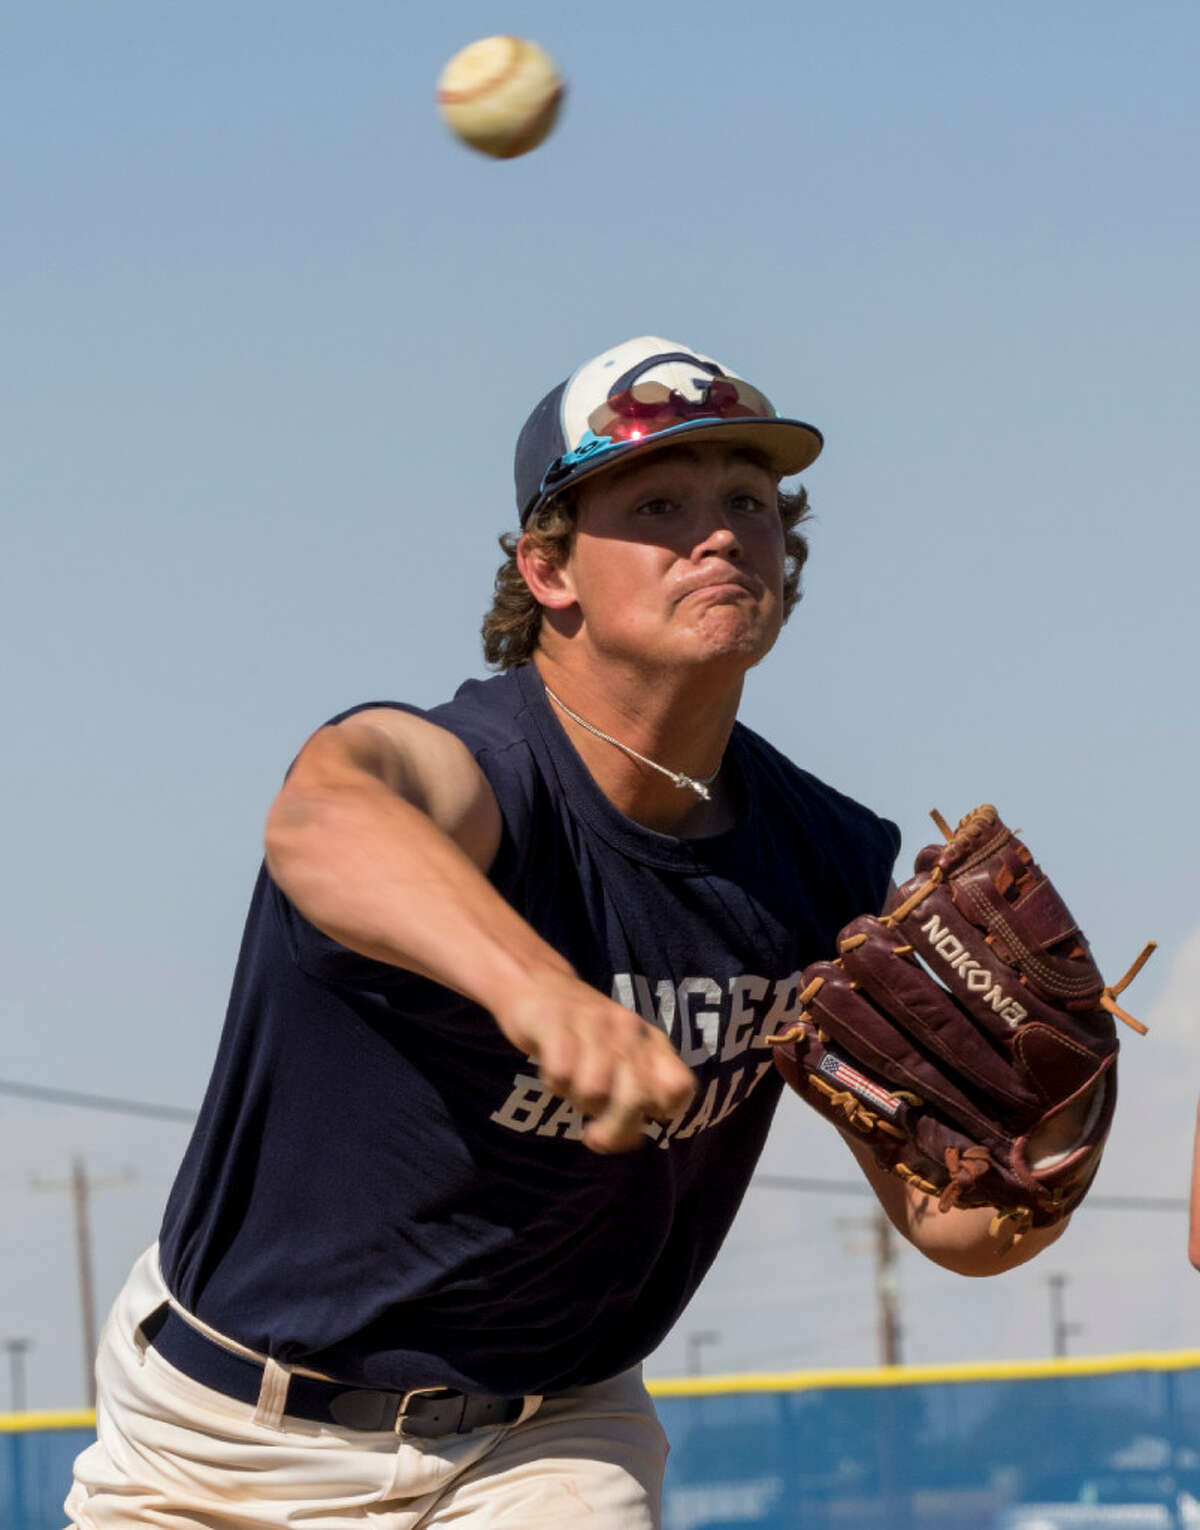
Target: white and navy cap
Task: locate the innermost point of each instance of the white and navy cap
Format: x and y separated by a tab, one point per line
638	395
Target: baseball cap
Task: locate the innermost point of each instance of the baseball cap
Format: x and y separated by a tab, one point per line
641	394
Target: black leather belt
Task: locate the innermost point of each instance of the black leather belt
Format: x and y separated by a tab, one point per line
424	1413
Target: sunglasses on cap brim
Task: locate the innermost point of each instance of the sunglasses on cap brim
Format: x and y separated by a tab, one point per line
647	408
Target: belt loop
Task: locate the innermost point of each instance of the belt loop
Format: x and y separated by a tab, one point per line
272	1395
529	1406
144	1333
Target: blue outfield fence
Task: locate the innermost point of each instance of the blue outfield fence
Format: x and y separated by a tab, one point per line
36	1452
1086	1444
1098	1444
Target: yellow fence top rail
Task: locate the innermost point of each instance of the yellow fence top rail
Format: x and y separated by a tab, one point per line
63	1418
921	1375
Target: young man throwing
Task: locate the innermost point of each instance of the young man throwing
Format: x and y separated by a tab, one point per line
495	1072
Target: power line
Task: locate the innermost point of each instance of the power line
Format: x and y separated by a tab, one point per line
1137	1202
860	1187
761	1181
822	1186
97	1102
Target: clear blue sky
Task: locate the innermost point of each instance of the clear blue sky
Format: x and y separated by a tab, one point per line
268	334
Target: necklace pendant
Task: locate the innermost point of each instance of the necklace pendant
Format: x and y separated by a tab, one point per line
696	786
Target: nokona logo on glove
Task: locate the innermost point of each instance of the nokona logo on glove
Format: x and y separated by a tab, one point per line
976	977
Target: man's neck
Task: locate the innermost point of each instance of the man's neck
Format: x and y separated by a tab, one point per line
681	722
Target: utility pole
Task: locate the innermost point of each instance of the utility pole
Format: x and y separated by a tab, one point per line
80	1188
887	1290
887	1286
695	1342
17	1350
1060	1329
891	1431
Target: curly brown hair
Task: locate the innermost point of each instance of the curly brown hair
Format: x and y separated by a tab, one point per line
511	627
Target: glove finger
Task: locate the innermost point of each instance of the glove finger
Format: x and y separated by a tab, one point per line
980	1055
1003	893
854	1022
971	970
841	1089
906	1139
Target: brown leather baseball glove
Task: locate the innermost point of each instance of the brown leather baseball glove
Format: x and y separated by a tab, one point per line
959	1030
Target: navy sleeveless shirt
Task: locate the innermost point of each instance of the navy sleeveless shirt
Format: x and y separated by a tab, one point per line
380	1188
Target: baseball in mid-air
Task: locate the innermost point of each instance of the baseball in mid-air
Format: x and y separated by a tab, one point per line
500	95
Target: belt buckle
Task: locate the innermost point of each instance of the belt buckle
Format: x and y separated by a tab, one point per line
407	1398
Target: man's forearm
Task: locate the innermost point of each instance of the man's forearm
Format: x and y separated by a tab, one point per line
1194	1213
957	1240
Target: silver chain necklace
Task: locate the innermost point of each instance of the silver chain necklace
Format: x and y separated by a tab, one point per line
701	788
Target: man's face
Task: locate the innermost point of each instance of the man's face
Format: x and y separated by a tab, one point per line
678	557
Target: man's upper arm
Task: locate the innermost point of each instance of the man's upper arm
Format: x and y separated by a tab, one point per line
427	766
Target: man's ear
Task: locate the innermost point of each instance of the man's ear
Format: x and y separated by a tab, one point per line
549	581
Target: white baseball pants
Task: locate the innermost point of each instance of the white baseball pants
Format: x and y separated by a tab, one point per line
176	1455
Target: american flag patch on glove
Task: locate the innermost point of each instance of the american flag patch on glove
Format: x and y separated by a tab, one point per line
839	1071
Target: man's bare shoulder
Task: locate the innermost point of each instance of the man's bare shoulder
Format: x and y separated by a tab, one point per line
434	770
